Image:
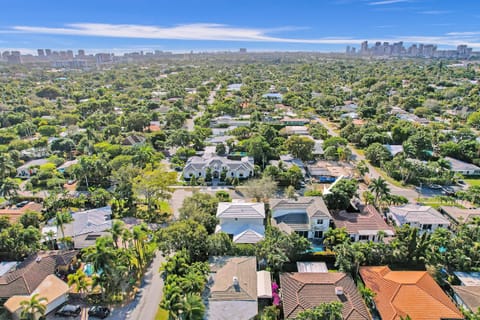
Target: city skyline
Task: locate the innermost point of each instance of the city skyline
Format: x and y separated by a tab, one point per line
181	26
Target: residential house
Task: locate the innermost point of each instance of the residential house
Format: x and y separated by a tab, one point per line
228	121
67	165
329	171
288	161
30	168
318	148
460	216
467	295
242	221
234	87
87	226
52	288
133	140
351	115
16	211
303	291
425	218
287	121
25	278
394	149
366	225
273	96
308	216
412	293
295	130
198	166
233	288
464	168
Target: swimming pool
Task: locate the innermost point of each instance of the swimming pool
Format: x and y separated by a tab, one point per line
88	269
316	247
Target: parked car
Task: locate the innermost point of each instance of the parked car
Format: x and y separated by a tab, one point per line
21	204
69	310
435	186
99	312
449	191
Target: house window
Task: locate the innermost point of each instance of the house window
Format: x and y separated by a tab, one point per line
426	227
190	174
318	234
319	221
232	174
199	174
241	174
303	233
362	238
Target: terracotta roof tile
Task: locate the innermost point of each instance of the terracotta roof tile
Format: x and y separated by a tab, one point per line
302	291
413	293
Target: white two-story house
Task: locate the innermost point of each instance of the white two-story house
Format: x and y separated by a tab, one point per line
198	166
243	221
308	216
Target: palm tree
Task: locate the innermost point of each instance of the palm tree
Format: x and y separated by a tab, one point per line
117	231
62	218
334	237
33	307
192	307
380	189
172	300
9	188
79	279
126	238
6	166
49	235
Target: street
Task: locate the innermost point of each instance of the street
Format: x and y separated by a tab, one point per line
146	305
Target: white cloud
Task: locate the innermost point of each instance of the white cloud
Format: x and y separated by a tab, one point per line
386	2
220	32
196	31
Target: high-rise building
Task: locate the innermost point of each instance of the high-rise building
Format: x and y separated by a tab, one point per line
243	50
40	52
364	47
81	53
48	52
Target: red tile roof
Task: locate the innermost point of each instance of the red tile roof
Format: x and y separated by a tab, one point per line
412	293
301	291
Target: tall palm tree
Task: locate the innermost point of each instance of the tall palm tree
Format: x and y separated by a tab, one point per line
380	189
117	231
192	307
33	308
61	219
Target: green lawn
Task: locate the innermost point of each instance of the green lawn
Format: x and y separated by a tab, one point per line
472	182
162	314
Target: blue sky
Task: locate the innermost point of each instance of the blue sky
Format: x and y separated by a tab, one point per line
210	25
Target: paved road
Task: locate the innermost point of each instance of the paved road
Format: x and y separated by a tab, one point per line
408	193
145	307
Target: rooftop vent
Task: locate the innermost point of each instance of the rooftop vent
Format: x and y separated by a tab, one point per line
339	291
38	259
236	284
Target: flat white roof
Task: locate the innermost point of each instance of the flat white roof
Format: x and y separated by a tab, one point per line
264	284
312	267
6	266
